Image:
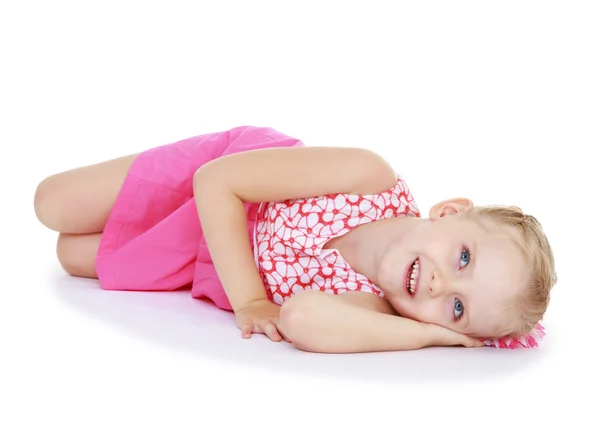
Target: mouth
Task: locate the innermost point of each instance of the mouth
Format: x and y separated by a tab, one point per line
412	277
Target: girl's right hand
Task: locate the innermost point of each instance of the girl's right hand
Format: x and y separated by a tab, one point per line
442	336
260	316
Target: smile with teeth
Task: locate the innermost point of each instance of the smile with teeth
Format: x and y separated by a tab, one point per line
412	277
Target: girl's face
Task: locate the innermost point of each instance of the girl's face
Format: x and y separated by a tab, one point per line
454	271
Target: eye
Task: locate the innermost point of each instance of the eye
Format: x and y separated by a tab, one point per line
465	257
458	309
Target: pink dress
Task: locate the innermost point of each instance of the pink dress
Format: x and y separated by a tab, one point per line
153	239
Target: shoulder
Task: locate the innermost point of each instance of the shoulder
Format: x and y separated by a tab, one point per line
378	174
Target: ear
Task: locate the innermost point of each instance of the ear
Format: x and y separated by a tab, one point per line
450	207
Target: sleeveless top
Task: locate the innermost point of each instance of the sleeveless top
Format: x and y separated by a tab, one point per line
289	237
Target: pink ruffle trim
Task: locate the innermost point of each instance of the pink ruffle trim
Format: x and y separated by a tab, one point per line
530	340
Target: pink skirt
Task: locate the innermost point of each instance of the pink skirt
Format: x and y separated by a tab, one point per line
153	239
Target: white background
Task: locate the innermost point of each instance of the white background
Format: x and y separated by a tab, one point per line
497	101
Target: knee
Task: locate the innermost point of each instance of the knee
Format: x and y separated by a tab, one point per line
65	256
45	203
71	257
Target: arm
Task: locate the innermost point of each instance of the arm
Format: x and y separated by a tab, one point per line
321	322
355	322
223	185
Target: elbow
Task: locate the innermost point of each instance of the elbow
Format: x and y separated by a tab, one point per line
208	183
298	322
201	180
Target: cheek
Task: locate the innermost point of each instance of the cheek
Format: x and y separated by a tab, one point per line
432	242
390	268
434	311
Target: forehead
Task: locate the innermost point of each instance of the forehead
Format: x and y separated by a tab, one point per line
496	278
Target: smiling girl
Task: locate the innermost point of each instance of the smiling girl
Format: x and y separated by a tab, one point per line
322	247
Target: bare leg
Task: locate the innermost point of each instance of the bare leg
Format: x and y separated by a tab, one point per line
77	204
77	253
79	201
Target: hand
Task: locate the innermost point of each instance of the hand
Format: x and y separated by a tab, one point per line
260	316
442	336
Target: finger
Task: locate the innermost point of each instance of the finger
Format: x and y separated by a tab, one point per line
280	330
477	343
474	343
246	330
282	334
271	331
285	337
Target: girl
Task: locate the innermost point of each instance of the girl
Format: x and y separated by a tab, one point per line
322	247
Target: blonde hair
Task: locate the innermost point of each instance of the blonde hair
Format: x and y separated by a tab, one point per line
532	301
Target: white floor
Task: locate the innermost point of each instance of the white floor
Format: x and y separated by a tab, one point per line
498	103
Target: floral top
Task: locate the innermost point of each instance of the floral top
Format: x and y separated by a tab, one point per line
289	237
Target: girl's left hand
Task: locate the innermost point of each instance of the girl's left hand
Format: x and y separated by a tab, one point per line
260	316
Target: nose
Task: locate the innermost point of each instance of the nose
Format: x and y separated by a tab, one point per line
437	285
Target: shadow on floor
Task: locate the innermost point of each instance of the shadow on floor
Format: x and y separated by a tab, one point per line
176	320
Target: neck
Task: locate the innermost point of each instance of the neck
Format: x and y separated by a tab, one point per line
364	246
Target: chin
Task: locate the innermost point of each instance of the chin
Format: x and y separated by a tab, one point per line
401	309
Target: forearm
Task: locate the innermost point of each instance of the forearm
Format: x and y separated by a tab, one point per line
224	224
321	322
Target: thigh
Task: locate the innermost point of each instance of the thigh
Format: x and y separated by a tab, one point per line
77	253
79	201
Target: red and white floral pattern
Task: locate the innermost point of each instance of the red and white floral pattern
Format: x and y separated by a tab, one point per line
290	235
